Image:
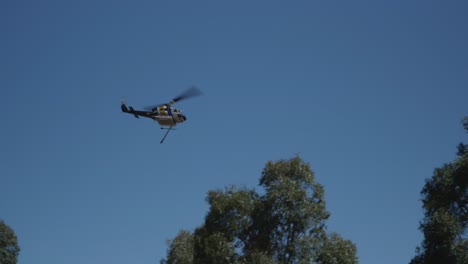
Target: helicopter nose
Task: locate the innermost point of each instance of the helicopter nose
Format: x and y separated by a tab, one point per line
184	117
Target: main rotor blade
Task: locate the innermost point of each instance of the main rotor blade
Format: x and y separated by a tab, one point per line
189	93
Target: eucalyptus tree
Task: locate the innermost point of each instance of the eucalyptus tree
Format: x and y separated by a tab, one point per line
445	204
284	224
9	248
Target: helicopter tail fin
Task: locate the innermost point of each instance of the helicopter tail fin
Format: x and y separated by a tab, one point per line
124	107
129	110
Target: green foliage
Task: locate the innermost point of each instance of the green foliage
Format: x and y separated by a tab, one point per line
227	225
257	258
213	248
295	210
180	249
9	249
336	250
445	203
231	212
284	225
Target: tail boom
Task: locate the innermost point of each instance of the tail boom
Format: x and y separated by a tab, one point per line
127	110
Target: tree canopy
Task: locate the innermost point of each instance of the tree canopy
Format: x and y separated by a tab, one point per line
286	224
9	248
445	197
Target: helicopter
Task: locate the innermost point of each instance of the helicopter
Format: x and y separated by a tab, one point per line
166	115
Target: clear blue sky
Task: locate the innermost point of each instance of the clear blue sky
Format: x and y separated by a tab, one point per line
370	93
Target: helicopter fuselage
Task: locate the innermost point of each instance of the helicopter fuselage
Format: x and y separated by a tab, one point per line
165	115
168	116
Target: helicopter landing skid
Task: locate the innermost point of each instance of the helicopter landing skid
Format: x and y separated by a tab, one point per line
165	135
